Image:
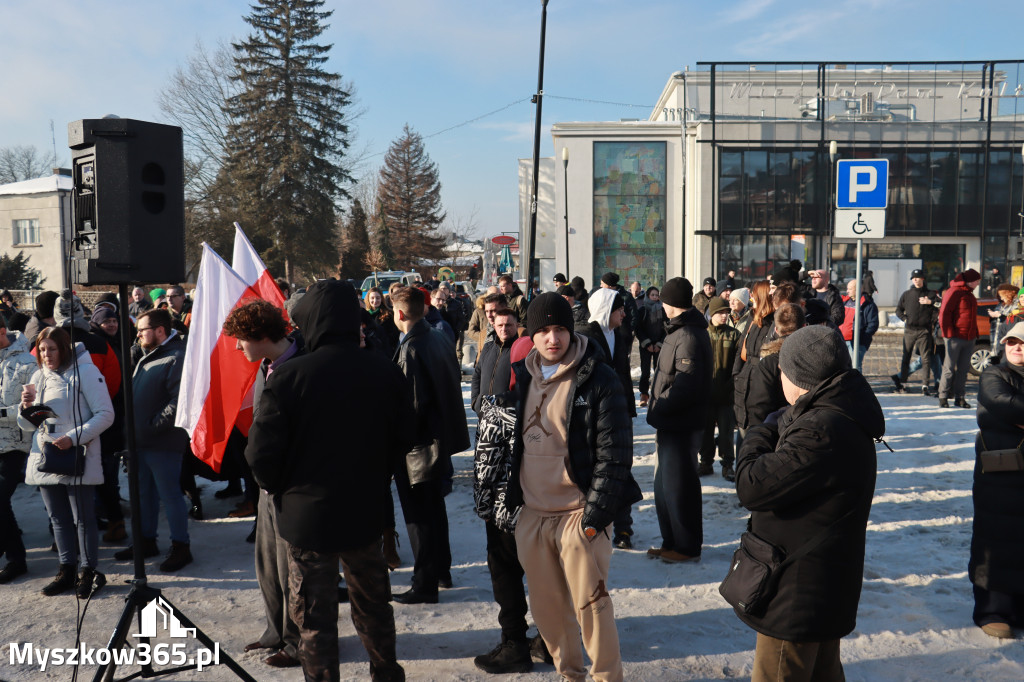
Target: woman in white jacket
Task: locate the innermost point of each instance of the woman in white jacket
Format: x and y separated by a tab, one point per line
77	395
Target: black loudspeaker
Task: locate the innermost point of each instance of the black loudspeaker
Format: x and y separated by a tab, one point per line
129	201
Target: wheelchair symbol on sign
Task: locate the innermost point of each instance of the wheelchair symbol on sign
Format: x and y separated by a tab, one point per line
860	227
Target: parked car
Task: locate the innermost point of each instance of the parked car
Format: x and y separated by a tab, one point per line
383	280
983	351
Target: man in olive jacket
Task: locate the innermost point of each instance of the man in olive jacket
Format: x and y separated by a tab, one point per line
679	409
330	477
808	474
438	431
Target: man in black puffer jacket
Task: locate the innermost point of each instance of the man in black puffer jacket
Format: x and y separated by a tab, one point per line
571	461
809	475
679	409
330	476
494	366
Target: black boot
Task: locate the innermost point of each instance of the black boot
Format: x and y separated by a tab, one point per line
177	558
149	549
12	570
962	402
90	582
64	581
511	656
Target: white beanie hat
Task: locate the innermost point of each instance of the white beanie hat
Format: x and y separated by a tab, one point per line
741	295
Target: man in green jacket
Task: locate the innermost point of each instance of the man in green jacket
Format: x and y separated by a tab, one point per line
725	339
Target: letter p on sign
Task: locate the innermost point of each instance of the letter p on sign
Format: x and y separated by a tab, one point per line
862	179
862	183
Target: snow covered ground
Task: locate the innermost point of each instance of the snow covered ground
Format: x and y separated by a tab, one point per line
914	621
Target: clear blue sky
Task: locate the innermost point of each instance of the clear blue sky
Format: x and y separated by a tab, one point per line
438	63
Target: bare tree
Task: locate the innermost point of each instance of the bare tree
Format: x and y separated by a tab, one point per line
24	162
194	100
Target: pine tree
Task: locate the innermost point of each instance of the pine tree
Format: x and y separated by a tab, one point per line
410	201
355	243
387	253
286	147
15	273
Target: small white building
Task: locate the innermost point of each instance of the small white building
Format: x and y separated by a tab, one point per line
35	219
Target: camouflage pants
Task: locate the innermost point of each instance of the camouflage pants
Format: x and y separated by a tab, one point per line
313	605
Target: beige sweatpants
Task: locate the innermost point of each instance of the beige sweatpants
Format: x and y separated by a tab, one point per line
567	575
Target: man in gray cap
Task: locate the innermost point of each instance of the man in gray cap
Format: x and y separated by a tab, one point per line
808	476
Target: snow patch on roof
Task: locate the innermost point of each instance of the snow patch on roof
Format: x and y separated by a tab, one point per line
50	183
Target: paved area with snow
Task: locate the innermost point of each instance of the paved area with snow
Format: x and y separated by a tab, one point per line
914	621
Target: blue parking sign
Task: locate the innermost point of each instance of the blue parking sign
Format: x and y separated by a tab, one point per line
862	183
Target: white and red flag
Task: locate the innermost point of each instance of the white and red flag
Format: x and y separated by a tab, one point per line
216	377
249	266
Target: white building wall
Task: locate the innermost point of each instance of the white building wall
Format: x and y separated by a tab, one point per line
52	210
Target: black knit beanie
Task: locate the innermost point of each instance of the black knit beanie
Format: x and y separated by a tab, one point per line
548	309
610	278
45	302
618	302
677	292
813	354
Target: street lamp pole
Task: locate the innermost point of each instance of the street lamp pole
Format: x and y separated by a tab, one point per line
537	99
565	183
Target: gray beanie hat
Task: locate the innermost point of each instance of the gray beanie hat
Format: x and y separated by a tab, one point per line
813	354
69	310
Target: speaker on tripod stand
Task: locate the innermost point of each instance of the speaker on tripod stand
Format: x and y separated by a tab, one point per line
129	228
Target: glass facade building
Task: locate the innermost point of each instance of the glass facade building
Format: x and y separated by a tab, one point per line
952	134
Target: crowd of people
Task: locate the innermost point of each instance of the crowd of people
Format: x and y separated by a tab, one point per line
762	376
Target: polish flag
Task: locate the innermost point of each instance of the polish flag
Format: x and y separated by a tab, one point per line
216	376
249	266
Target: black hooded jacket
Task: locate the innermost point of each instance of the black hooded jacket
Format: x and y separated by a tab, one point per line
798	478
311	444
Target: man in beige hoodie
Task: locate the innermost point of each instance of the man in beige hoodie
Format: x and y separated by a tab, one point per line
571	460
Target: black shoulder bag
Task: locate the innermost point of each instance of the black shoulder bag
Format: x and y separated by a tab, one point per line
757	567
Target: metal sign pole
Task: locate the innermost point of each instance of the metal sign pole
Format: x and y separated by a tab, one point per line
856	306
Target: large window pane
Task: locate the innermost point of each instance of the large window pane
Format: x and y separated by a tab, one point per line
629	210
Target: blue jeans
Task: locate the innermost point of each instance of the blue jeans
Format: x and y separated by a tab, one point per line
71	507
158	482
12	472
860	352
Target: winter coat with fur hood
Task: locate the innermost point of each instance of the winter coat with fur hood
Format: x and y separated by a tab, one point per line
81	402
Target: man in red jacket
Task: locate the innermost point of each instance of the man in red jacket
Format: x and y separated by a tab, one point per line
959	324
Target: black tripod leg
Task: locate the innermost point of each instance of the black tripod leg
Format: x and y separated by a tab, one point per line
210	644
136	600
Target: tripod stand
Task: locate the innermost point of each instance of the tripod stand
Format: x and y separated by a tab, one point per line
141	593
